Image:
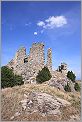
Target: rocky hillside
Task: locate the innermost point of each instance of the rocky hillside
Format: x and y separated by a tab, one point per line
39	102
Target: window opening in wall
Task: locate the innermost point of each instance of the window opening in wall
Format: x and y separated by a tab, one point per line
12	68
25	60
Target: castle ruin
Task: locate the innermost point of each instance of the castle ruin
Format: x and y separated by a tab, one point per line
29	65
63	68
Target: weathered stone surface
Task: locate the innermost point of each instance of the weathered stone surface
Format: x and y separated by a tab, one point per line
43	103
29	65
63	68
49	59
74	118
29	100
15	115
58	80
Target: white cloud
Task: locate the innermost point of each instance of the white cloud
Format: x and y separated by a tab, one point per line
53	22
27	24
42	31
57	21
35	33
40	23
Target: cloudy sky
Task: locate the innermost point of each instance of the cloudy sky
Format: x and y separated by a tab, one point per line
56	24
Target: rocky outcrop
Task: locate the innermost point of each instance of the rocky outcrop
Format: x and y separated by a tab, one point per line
42	103
39	102
59	81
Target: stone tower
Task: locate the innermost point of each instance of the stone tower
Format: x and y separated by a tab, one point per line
49	59
19	60
28	65
36	56
63	68
36	61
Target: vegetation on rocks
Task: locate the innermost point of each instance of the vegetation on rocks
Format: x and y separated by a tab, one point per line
67	87
8	79
71	76
77	87
43	75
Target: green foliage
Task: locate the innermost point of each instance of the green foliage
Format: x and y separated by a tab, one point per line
67	87
71	76
43	75
8	79
77	87
18	80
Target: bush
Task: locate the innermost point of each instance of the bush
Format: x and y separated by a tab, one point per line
77	87
67	88
18	80
43	75
8	79
71	76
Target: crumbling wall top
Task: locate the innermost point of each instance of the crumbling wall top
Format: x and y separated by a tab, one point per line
21	49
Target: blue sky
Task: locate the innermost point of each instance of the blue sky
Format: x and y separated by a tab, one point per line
56	24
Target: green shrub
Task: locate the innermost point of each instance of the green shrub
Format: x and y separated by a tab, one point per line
8	79
77	87
71	76
67	87
18	80
43	75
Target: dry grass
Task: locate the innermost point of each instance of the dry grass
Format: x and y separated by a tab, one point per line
67	112
37	117
47	89
11	97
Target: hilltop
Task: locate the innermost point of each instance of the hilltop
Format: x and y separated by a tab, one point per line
39	102
44	94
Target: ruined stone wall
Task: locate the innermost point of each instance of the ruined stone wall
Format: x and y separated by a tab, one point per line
29	65
19	60
49	59
63	68
36	61
36	56
11	64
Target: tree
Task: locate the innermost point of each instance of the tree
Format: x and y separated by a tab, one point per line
77	87
43	75
71	76
8	79
18	80
67	87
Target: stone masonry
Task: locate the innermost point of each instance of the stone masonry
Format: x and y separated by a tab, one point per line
63	68
49	59
29	65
